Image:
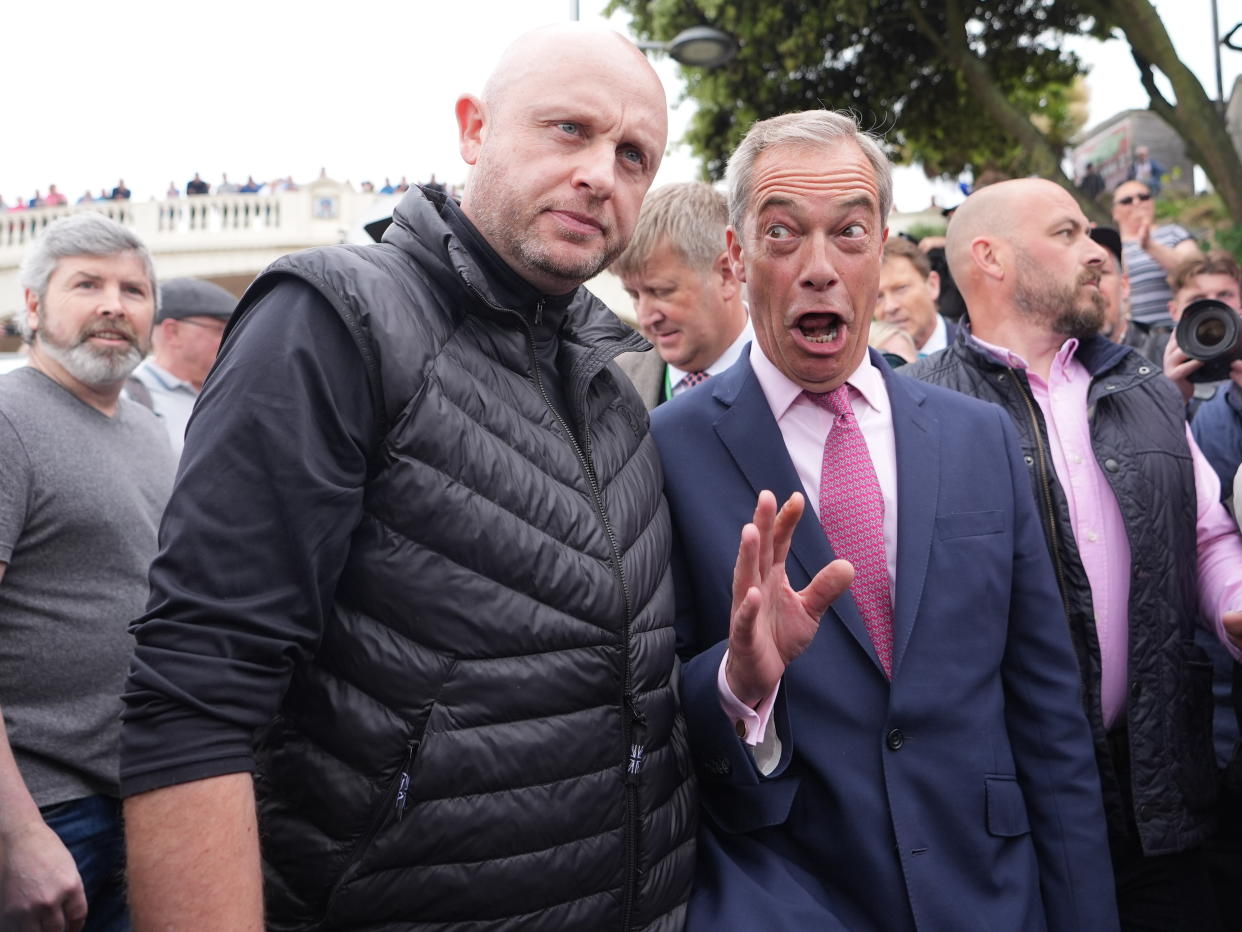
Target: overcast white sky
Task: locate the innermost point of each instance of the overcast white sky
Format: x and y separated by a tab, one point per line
152	92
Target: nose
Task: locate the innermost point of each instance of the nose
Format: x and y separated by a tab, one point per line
884	305
819	271
596	169
110	302
1097	256
647	310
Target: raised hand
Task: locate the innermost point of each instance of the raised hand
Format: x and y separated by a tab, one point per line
770	624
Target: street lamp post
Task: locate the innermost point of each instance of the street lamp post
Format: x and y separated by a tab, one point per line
698	47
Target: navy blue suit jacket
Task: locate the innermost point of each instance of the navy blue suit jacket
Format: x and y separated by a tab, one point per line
964	795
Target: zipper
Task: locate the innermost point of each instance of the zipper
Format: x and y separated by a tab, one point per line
397	797
1045	488
634	720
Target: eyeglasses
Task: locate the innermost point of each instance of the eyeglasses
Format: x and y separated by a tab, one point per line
216	326
1131	198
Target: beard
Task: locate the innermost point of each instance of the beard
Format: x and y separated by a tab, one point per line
1063	309
508	225
96	366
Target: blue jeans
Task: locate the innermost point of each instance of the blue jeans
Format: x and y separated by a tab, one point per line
91	829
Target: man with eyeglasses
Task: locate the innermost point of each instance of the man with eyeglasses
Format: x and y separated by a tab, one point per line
1149	253
188	329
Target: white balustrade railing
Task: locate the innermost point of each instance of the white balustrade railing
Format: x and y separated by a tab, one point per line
321	213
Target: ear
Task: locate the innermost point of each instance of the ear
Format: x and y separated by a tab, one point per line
986	254
471	119
733	250
1125	287
1175	311
933	285
722	271
32	311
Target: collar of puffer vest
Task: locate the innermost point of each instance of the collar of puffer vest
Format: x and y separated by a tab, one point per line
429	221
1097	353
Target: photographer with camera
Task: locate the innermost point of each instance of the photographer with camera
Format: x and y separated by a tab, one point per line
1209	375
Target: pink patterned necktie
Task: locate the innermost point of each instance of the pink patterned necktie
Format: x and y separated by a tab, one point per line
691	379
851	512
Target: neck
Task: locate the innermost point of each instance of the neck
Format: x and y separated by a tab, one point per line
177	371
1037	346
103	398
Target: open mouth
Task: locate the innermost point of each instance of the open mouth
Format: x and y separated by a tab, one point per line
820	329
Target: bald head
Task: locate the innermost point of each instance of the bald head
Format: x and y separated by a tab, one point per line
563	145
1021	251
567	47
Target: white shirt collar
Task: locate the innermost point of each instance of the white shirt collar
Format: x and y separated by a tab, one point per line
938	340
781	392
723	362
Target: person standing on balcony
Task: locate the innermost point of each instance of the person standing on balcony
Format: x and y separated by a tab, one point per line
54	198
120	192
84	475
197	185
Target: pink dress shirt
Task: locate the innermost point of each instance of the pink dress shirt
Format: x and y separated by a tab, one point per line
804	426
1100	532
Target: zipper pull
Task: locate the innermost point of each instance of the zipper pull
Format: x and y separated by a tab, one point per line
403	785
539	312
403	790
632	707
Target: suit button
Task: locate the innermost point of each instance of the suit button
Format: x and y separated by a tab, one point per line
895	739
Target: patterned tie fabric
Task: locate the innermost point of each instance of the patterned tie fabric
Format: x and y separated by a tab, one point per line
691	379
851	512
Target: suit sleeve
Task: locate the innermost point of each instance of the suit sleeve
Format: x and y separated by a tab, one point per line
1048	729
735	794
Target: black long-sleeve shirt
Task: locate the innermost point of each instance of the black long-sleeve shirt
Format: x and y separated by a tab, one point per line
256	533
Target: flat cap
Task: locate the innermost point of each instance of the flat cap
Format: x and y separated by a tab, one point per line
1109	238
194	297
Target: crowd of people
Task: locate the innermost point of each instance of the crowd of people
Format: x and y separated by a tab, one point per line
196	186
383	598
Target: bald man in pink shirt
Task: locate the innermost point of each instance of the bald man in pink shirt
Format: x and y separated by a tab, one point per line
1144	552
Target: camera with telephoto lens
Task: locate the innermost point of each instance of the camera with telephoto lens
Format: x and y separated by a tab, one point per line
1210	331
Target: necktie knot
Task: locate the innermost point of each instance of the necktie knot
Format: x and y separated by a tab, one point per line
836	402
691	379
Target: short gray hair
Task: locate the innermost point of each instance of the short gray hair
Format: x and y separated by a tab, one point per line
689	217
84	234
807	128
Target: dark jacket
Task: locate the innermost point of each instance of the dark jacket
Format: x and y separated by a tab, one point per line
488	736
1138	433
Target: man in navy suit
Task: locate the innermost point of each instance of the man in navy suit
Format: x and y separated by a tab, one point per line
914	755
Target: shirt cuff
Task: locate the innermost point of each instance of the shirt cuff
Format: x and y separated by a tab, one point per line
751	724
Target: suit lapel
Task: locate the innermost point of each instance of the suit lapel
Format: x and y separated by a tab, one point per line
918	484
753	439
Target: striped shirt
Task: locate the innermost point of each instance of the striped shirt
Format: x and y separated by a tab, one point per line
1149	286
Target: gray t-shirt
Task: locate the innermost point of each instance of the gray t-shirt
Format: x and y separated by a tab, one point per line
81	496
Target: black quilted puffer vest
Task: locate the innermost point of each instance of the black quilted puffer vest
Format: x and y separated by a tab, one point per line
1138	434
488	736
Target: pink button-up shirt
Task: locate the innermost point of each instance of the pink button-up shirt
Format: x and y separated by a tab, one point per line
1100	532
804	426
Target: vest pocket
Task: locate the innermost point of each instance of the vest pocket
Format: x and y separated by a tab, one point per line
1193	731
391	809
